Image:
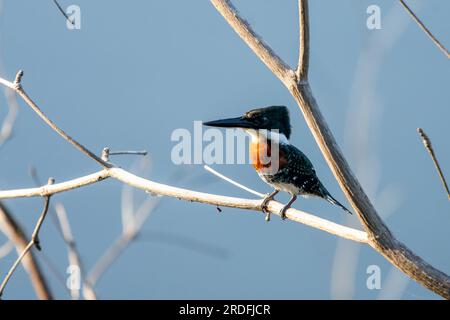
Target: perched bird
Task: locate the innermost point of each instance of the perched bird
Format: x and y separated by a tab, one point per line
288	169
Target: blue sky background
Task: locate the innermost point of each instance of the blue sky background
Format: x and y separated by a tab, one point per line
137	70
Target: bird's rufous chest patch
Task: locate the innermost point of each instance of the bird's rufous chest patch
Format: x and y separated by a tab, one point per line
266	158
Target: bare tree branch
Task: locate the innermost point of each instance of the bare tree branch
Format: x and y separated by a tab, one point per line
425	29
189	195
11	228
17	87
33	242
138	153
360	137
264	52
63	12
56	188
427	143
380	237
157	188
61	221
303	57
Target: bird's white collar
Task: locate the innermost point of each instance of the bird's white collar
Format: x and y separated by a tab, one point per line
258	135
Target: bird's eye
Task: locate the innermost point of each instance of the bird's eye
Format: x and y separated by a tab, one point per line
264	119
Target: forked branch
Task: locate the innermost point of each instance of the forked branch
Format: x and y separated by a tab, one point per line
380	237
377	234
33	242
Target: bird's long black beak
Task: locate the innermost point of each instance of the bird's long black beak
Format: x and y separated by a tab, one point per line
239	122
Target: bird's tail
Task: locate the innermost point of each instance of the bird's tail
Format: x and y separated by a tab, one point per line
332	200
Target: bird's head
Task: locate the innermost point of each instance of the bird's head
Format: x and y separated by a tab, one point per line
268	118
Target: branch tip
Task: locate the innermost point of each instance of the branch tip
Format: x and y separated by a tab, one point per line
105	154
18	79
427	143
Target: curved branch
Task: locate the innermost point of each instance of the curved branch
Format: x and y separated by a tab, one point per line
380	237
17	87
263	50
189	195
55	188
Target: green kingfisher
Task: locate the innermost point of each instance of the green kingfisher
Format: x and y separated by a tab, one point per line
278	163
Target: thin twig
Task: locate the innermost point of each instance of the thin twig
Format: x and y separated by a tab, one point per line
107	152
138	153
17	86
61	221
425	29
427	143
11	228
63	12
33	242
237	184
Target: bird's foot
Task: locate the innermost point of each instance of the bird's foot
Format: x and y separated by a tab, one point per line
264	203
286	207
283	212
266	200
264	207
